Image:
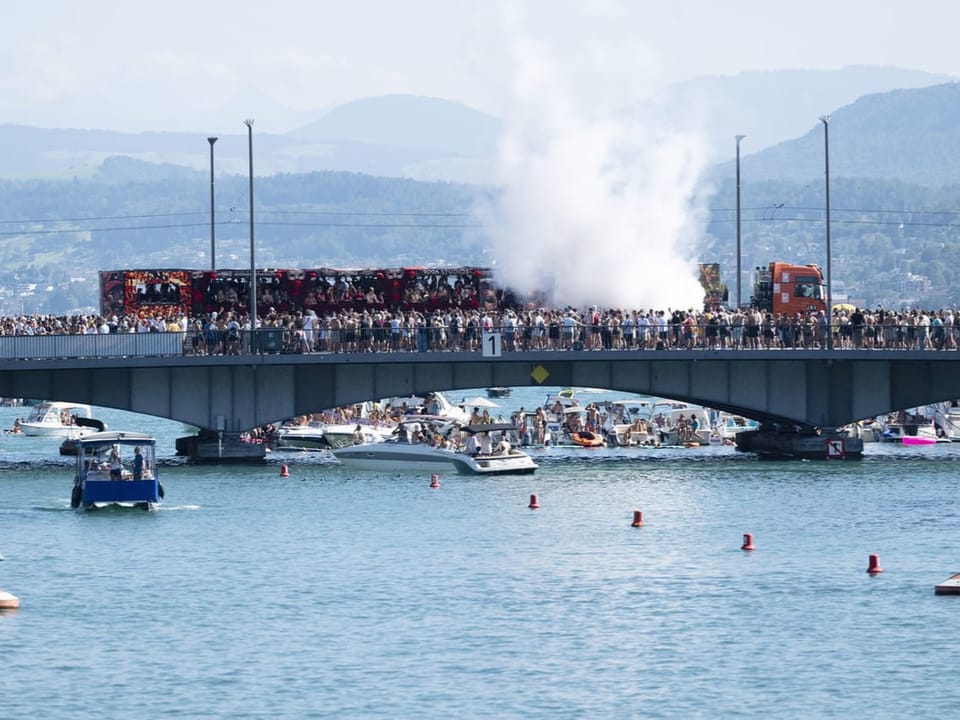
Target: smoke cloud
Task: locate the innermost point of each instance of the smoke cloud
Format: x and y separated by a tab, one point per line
593	211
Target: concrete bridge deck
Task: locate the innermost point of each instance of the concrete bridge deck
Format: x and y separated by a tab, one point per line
235	393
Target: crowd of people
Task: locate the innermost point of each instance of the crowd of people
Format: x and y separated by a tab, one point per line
594	328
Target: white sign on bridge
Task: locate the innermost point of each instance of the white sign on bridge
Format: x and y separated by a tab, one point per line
836	449
492	344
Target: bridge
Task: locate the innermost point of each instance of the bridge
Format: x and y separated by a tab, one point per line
150	373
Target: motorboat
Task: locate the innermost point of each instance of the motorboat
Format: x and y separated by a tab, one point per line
947	419
332	429
627	422
912	427
433	444
317	435
682	424
558	406
728	425
433	403
354	433
301	436
498	392
56	419
70	445
116	469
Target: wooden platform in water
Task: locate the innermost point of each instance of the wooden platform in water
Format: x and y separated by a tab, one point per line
950	586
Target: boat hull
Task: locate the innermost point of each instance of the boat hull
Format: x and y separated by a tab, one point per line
397	457
69	432
100	494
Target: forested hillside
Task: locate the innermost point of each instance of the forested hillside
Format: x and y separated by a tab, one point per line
895	201
892	242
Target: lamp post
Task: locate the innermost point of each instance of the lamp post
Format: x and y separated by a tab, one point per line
739	271
825	119
213	241
253	254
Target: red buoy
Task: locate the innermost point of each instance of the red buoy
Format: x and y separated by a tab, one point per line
874	567
534	503
747	542
637	519
435	481
284	471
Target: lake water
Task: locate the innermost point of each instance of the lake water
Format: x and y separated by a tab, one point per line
335	594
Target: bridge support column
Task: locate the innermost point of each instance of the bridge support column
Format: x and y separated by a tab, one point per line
805	443
212	447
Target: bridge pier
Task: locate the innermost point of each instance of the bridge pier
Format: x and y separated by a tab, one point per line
212	447
801	442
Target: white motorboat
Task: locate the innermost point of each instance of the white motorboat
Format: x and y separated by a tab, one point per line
728	425
57	419
317	435
947	419
682	424
355	433
432	445
303	436
627	422
433	403
913	427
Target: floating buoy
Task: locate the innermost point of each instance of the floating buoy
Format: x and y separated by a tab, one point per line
637	519
534	503
284	471
747	542
8	601
435	481
874	567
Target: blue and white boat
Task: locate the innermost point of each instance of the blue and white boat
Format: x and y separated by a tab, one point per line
116	469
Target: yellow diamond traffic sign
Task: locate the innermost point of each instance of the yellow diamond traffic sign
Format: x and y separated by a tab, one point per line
540	374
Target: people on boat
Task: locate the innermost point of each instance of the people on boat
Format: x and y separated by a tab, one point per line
137	463
486	444
358	435
16	427
116	464
473	445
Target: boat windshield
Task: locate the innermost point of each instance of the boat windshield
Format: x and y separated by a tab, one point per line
117	460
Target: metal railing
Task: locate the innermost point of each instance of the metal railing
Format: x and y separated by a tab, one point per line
434	339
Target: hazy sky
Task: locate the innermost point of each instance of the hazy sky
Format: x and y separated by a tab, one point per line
123	65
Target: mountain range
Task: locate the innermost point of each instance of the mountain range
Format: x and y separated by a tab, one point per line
434	139
348	189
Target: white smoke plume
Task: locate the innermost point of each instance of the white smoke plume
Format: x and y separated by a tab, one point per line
593	212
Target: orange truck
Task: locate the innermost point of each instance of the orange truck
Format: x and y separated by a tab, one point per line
783	287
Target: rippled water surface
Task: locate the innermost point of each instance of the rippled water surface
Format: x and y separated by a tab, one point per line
330	593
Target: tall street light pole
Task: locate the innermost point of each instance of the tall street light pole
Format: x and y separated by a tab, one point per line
739	271
253	254
213	241
825	119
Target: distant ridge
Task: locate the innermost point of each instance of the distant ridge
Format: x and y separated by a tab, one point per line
427	138
421	123
911	136
772	106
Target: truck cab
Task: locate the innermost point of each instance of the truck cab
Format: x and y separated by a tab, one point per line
787	288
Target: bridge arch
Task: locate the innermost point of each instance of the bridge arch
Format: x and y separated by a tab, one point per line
820	388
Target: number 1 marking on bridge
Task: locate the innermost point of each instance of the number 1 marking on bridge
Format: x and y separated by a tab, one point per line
492	346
